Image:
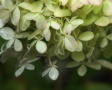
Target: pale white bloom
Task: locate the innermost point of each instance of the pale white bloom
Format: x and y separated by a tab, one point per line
51	71
13	38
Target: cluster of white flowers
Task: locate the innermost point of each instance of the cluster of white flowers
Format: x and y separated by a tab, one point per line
58	29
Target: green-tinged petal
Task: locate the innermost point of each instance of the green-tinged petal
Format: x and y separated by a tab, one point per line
46	72
82	70
7	33
53	74
103	43
78	56
62	12
55	25
16	16
47	12
26	5
41	22
77	5
19	71
102	21
70	43
94	65
24	24
64	2
89	19
18	45
37	6
73	64
95	2
31	16
80	46
84	2
109	36
29	66
48	36
107	6
9	43
105	63
41	47
33	35
22	35
86	36
8	4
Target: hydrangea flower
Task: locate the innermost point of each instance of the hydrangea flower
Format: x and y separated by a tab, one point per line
57	29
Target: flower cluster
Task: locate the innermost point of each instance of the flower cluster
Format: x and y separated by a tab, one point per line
57	29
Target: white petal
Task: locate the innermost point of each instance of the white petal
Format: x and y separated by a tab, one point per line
48	36
16	16
64	2
18	45
19	71
9	43
53	74
84	2
8	4
41	22
95	2
70	43
1	23
30	66
41	47
46	72
7	33
55	25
